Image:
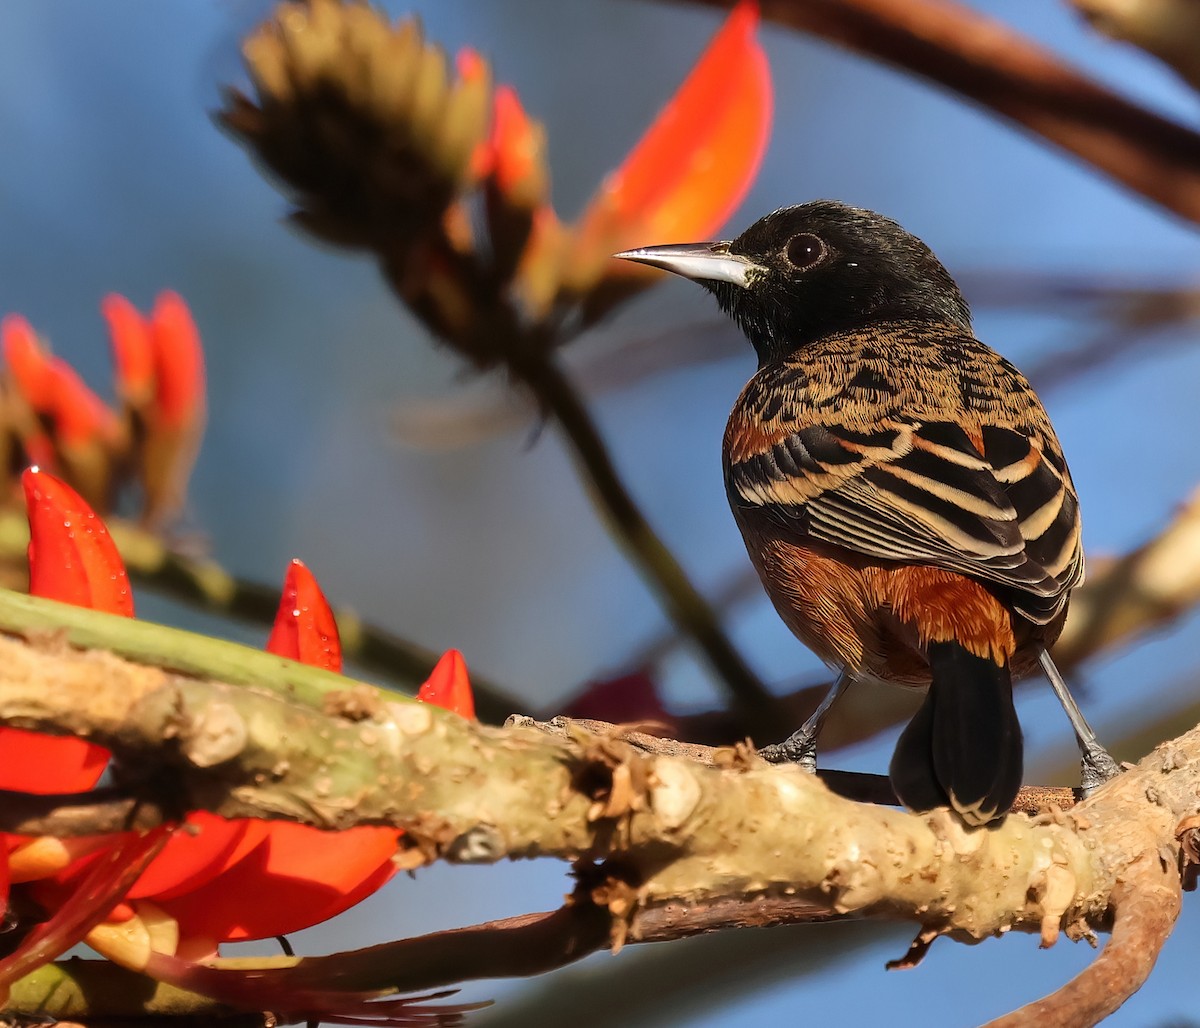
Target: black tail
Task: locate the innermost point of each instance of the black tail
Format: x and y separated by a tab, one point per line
963	748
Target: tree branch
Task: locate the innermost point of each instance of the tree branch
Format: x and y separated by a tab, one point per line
1146	904
667	830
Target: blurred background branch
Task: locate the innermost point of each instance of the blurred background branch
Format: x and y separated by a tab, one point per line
998	68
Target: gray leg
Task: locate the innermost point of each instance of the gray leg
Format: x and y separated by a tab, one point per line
801	746
1098	764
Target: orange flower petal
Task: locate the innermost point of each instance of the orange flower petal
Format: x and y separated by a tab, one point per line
696	161
449	687
178	362
45	764
470	65
72	557
27	361
52	387
294	878
515	145
305	628
200	851
80	416
133	349
472	68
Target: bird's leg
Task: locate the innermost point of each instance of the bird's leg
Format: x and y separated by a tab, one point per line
801	746
1098	764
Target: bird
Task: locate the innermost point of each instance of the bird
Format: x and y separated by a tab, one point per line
900	490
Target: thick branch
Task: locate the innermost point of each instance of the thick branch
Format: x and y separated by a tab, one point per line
859	786
684	833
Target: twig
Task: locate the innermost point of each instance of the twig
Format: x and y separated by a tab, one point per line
633	532
87	813
998	68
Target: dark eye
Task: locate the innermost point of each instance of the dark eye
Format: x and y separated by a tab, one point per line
805	250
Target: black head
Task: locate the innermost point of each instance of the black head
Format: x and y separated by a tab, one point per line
804	272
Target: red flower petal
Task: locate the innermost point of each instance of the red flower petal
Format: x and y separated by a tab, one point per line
696	161
295	877
196	854
448	686
133	349
291	876
72	557
629	698
45	764
178	362
305	628
79	414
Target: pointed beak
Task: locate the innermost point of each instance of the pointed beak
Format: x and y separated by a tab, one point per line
701	262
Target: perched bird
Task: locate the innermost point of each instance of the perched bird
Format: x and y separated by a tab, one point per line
900	491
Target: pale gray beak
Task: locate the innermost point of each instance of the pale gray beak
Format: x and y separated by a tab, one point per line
702	262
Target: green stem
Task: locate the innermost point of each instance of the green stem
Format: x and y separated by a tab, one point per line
89	989
172	649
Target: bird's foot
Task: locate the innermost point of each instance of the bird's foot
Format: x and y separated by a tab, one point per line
1097	767
799	748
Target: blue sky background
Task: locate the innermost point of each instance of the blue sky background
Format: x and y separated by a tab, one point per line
114	178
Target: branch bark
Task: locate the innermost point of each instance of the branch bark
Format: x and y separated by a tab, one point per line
668	846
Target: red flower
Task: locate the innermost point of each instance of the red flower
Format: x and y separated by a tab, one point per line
52	388
286	876
72	558
161	900
132	348
305	628
449	687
